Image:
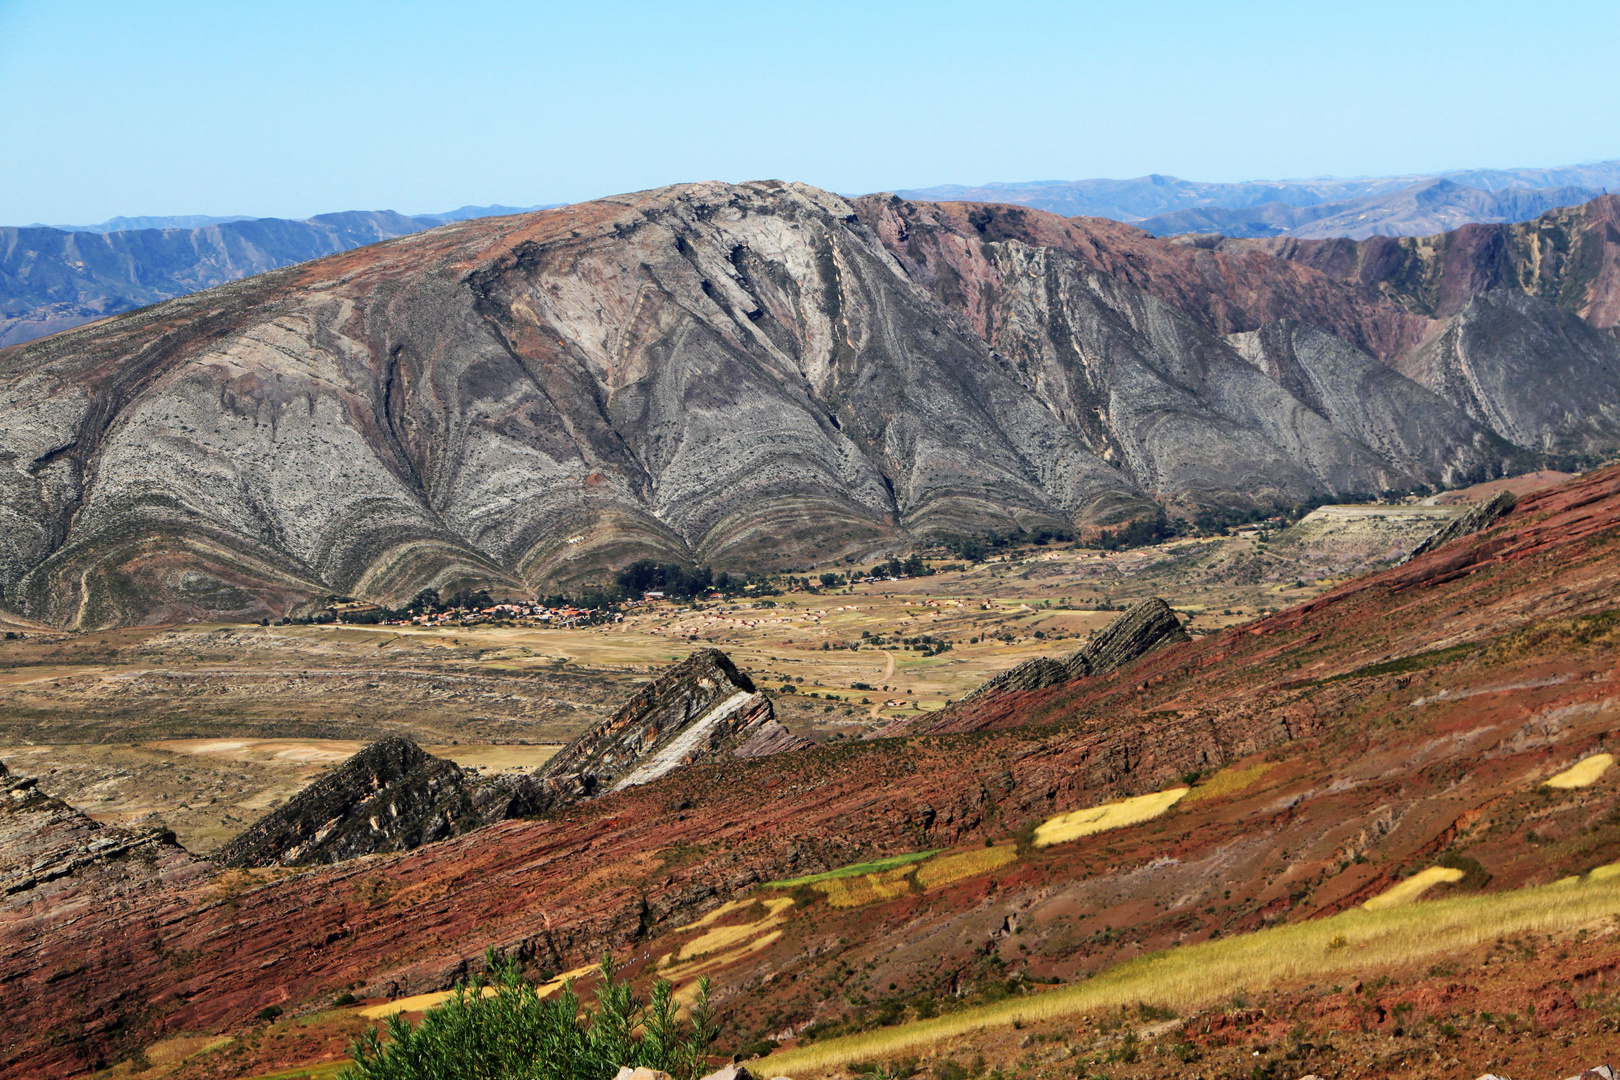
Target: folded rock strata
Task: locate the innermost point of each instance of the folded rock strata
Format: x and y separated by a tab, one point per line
1146	626
750	376
51	852
1482	516
391	796
690	711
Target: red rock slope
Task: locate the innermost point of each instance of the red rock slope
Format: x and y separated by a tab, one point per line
1402	716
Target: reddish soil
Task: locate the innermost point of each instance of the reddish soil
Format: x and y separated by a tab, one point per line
1409	713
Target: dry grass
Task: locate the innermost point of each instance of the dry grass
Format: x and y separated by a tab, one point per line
679	972
948	869
724	936
424	1002
1230	782
1196	976
1114	815
1582	773
1413	887
847	892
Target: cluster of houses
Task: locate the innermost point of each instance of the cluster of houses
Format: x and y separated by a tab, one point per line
509	612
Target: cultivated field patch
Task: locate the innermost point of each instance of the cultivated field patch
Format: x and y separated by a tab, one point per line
1115	815
1413	887
1583	773
1194	977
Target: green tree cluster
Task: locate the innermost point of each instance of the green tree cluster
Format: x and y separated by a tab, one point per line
515	1034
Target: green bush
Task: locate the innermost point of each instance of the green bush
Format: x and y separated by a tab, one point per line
514	1034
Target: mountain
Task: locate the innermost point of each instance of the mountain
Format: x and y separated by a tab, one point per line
1425	208
468	213
55	278
749	376
130	224
1295	767
1154	195
52	280
526	402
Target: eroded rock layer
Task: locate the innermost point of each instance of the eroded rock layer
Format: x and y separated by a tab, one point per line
391	796
690	711
750	376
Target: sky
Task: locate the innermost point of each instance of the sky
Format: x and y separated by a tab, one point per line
151	107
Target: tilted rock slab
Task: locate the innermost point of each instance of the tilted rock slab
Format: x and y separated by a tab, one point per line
1148	625
391	796
690	711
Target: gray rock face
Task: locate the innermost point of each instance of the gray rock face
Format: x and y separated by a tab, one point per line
1481	516
49	850
769	738
1541	377
391	796
1403	422
1147	626
750	376
691	710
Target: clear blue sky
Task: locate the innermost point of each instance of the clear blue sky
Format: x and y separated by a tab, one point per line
292	108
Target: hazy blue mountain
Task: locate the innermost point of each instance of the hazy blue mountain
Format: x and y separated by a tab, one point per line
1151	196
1423	209
54	279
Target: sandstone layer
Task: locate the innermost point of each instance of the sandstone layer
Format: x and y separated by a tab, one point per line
391	796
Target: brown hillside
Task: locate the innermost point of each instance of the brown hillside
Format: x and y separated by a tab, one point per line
1402	717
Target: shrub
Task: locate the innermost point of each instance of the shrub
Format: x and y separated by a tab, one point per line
269	1013
515	1034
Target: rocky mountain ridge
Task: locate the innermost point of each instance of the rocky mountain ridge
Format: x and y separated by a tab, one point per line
750	376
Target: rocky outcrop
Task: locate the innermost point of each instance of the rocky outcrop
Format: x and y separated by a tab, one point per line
1147	626
1541	377
748	376
770	738
1481	516
691	711
48	848
394	796
391	796
97	982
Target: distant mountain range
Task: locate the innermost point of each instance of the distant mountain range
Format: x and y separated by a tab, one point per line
1151	196
53	279
195	221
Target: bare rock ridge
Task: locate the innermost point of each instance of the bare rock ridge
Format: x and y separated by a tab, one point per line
391	796
764	375
1147	626
692	710
394	796
1481	516
50	852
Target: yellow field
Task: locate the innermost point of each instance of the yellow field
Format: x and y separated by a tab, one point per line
423	1002
847	892
719	938
1114	815
1196	976
948	869
1230	782
1582	773
1413	887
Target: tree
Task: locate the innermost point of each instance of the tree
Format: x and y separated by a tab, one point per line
515	1034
